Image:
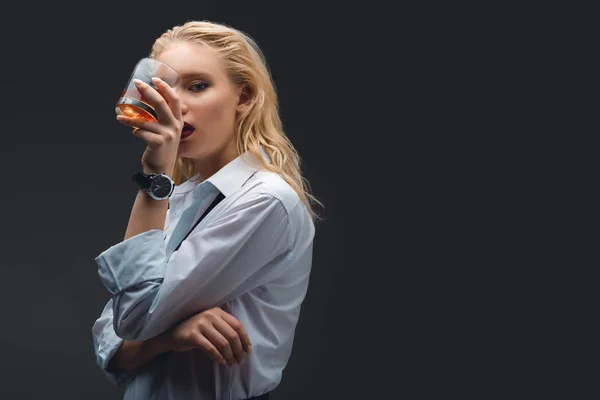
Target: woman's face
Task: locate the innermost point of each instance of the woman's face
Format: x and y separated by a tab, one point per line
209	102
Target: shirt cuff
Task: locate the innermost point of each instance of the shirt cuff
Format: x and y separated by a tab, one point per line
108	345
135	260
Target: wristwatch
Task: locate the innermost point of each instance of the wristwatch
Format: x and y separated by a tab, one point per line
157	186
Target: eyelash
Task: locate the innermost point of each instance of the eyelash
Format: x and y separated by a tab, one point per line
204	84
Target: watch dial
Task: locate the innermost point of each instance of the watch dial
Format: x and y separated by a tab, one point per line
161	186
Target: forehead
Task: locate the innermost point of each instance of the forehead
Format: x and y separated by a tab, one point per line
191	58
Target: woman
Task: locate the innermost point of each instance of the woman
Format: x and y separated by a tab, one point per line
208	311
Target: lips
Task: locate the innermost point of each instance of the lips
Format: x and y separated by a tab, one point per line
187	130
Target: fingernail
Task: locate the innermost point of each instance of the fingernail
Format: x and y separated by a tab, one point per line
156	80
137	81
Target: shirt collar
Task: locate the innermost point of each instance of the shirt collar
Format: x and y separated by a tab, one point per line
229	178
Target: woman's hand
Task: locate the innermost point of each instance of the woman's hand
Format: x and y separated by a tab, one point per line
219	334
162	137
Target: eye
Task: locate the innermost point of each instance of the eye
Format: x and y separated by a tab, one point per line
198	86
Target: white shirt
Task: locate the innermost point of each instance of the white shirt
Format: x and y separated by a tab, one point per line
252	253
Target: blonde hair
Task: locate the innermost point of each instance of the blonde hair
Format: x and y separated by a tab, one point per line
259	124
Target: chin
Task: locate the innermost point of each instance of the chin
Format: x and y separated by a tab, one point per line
185	150
189	153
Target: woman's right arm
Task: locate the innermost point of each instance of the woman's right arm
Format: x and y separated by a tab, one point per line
216	332
132	355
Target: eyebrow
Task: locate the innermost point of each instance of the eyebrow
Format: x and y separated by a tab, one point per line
195	74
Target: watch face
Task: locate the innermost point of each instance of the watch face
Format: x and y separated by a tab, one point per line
161	186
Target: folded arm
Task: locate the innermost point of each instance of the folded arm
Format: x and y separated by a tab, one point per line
226	258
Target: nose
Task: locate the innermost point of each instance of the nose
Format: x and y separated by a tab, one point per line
184	107
182	103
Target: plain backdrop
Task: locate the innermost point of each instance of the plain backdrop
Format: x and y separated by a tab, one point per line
70	163
402	117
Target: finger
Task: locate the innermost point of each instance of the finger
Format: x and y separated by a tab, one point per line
234	340
205	345
220	342
241	331
170	95
140	123
151	138
155	99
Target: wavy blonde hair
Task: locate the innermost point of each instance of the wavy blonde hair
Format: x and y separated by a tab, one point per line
259	123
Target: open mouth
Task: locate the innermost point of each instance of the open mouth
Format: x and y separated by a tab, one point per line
187	130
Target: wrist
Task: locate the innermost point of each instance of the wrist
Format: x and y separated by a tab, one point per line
150	170
159	186
158	344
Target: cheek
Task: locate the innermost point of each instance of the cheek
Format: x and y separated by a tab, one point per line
216	107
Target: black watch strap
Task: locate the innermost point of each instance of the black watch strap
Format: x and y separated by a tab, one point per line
154	184
142	179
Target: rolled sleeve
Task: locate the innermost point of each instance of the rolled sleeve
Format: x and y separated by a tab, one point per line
139	259
106	344
132	272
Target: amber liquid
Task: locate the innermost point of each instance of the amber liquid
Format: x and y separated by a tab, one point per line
132	104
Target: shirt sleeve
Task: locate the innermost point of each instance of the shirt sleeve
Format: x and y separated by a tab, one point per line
230	256
106	343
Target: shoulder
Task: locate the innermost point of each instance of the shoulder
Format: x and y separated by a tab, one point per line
271	185
268	198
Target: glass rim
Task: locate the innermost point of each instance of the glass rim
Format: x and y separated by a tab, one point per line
160	63
154	60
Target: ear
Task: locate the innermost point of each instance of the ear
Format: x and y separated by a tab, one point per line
243	98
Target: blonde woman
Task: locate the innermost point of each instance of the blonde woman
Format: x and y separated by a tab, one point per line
207	285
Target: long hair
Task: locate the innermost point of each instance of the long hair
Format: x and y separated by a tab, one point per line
257	125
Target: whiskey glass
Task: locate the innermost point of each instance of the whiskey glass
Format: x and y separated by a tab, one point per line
131	103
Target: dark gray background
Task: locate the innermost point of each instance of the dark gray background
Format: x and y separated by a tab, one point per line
69	164
396	113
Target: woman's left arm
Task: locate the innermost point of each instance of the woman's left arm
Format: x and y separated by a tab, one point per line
225	259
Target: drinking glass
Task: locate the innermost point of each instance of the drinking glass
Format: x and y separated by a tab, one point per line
131	103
